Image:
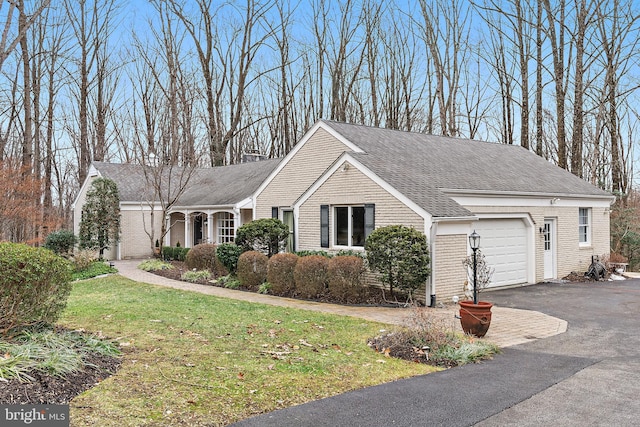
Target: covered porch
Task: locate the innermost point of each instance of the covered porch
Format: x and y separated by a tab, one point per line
190	227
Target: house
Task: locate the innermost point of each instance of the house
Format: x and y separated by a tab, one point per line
214	203
536	221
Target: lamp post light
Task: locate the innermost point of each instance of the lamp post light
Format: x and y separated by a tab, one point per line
474	242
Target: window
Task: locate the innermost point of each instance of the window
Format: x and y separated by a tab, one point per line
350	228
351	225
226	230
584	219
547	236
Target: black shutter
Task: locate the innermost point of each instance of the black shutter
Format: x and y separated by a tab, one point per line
274	212
324	226
369	219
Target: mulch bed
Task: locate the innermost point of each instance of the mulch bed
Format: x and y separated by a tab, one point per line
50	390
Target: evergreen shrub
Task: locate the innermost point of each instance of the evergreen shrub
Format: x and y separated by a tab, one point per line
34	286
252	269
346	278
310	276
280	274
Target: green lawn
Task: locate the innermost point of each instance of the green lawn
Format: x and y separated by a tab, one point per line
192	359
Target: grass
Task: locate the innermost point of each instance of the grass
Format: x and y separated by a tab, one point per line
193	359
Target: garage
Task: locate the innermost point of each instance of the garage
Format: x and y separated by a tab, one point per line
504	243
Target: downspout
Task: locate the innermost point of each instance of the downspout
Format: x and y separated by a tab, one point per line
431	285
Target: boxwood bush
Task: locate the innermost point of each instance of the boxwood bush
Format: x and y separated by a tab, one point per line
346	278
34	286
280	274
310	276
203	257
252	269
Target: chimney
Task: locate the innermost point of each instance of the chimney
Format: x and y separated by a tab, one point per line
252	156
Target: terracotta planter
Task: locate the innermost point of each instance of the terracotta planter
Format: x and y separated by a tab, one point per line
475	318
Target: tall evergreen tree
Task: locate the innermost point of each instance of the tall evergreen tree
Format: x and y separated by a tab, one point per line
100	220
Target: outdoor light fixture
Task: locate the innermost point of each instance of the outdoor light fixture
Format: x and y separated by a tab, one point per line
474	242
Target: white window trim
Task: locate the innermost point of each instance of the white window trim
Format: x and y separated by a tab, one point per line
588	226
334	230
223	219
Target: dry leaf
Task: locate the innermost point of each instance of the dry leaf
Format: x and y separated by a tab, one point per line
240	376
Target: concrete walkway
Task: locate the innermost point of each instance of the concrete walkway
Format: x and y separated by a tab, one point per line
509	326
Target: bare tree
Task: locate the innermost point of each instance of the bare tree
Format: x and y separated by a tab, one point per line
91	23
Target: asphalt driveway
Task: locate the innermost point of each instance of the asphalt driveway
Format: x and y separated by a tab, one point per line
588	376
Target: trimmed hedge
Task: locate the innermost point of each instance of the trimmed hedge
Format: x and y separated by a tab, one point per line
346	278
174	253
280	274
34	286
310	276
267	235
252	269
203	257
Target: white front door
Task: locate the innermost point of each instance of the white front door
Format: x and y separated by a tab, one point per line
549	249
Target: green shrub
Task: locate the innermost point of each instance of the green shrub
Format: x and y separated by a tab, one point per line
228	254
96	268
180	254
61	242
266	235
280	273
346	278
174	253
310	276
401	255
34	286
203	257
167	253
196	275
252	268
154	265
309	252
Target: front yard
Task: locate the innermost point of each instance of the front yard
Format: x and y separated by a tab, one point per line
192	359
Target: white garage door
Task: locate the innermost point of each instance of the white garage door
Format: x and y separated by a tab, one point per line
504	243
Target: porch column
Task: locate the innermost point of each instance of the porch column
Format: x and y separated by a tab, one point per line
210	228
187	229
236	221
167	237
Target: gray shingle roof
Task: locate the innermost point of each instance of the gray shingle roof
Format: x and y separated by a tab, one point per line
217	186
421	166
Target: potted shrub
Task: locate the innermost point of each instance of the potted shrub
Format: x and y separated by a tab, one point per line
475	316
157	248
